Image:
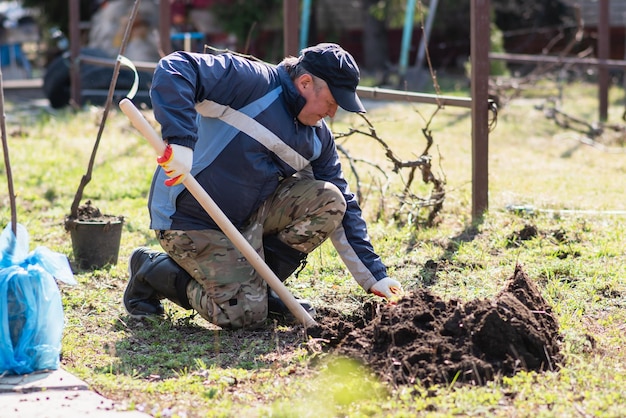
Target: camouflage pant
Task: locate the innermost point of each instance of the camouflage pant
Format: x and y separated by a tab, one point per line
227	291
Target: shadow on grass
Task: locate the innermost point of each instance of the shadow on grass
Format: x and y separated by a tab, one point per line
182	342
431	268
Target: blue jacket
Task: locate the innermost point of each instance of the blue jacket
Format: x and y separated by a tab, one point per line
239	116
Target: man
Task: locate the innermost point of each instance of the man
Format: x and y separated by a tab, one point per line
254	136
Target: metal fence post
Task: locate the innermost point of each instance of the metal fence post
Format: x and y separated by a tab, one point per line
479	38
604	34
291	23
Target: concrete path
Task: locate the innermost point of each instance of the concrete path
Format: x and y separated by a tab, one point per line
55	394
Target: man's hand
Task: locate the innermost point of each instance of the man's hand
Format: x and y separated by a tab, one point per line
176	161
388	288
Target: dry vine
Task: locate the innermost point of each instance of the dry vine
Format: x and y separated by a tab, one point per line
409	202
595	134
506	89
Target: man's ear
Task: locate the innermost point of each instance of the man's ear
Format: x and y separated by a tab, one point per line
305	81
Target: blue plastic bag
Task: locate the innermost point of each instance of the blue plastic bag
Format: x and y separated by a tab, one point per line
31	312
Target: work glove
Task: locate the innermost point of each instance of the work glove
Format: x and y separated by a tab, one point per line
388	288
176	161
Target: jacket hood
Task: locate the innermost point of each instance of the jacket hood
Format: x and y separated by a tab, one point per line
295	102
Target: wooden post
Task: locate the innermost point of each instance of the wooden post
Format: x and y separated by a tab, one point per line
479	39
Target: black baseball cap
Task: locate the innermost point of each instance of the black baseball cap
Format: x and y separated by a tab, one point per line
337	68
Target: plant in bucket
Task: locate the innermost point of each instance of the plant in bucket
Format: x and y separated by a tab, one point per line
95	236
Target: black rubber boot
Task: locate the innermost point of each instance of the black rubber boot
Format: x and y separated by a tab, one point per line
283	261
153	276
281	258
277	307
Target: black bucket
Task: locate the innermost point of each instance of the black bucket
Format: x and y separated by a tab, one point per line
96	243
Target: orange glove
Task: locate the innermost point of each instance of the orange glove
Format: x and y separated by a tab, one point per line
388	288
176	161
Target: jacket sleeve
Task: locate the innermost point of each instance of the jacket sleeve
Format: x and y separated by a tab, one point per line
351	238
183	79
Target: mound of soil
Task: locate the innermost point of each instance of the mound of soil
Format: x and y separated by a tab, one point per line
424	338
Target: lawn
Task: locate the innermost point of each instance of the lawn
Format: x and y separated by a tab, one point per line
554	181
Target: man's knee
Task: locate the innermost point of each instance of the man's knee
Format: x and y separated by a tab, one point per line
328	207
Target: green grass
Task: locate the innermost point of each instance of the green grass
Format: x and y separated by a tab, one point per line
183	366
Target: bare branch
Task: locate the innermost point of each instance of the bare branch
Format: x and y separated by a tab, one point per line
409	203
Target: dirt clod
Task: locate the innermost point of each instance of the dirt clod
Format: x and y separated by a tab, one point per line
424	338
90	213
